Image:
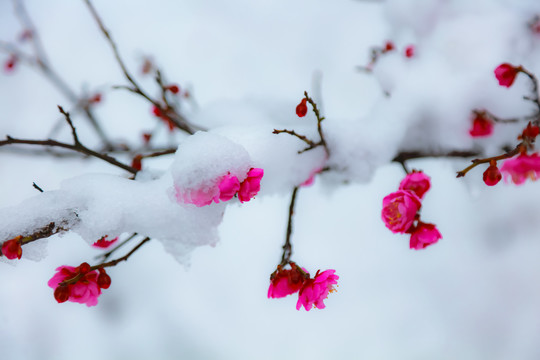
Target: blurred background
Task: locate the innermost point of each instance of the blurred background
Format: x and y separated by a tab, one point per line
474	295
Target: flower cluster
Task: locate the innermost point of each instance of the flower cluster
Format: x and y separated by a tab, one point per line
519	168
226	188
79	284
400	211
311	291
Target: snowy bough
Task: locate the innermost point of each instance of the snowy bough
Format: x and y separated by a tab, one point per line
436	101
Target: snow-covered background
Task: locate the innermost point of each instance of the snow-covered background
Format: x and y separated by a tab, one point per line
474	295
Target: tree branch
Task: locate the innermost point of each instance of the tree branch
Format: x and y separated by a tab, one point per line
287	247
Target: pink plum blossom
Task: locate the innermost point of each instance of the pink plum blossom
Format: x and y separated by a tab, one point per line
521	168
198	197
316	290
311	177
85	291
416	182
424	235
228	187
286	281
251	185
399	210
223	190
103	243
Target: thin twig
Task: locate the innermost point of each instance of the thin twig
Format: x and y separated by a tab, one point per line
534	80
68	120
178	120
160	153
37	187
410	155
287	247
293	133
106	264
105	256
319	121
41	62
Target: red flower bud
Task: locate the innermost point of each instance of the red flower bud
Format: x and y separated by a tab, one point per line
12	248
136	163
95	99
146	137
103	280
173	88
84	268
409	51
301	109
506	74
157	111
62	293
492	175
481	126
147	66
10	63
389	46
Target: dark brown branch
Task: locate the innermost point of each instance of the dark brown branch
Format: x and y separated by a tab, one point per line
160	153
43	232
409	155
533	117
70	123
78	148
123	258
287	247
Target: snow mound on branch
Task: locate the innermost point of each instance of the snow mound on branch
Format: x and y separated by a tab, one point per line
284	168
37	213
202	160
251	122
109	205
